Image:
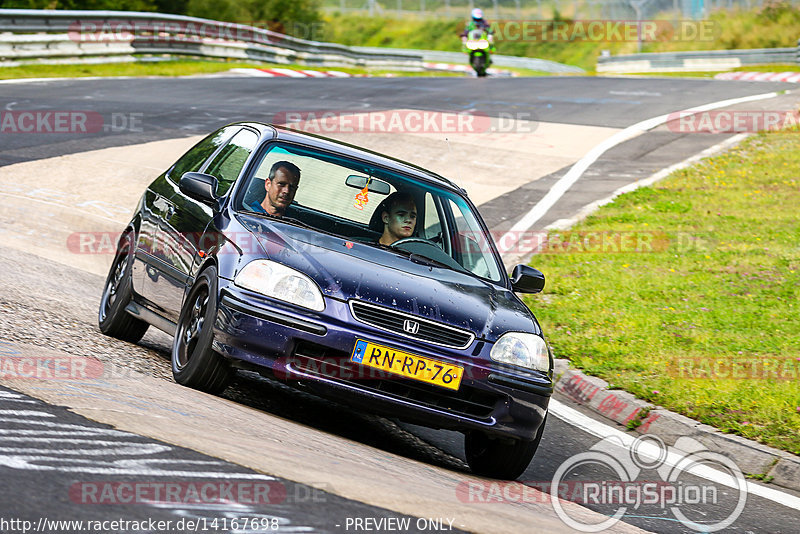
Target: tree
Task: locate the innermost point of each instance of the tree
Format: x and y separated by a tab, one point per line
113	5
292	17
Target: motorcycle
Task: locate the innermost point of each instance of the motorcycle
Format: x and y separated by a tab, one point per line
479	46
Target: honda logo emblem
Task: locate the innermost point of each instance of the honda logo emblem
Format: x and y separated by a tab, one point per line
412	327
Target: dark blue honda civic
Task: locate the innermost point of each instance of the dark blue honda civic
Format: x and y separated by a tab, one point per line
363	278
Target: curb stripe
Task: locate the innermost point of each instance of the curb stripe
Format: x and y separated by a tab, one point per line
278	72
792	77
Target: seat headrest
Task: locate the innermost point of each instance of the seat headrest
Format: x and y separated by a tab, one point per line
255	192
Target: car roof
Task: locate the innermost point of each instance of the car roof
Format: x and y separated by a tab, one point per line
281	133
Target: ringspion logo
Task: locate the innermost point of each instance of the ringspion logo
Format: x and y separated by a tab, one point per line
676	490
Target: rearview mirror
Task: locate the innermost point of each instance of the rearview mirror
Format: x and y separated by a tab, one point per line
375	185
200	186
526	279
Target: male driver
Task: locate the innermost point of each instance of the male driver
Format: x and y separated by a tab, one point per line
399	217
281	185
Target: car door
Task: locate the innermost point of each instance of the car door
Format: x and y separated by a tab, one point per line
160	281
183	231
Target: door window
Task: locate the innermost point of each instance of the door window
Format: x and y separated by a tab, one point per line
227	165
194	159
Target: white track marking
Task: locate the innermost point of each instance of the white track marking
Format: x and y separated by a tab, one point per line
564	224
576	171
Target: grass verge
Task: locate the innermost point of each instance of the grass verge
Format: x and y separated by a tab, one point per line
175	68
143	68
191	67
703	319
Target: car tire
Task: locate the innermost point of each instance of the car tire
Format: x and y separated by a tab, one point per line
194	362
501	459
112	318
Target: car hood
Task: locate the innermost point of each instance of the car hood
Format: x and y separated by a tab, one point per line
348	270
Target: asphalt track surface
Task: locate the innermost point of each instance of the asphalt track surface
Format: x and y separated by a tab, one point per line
169	108
61	472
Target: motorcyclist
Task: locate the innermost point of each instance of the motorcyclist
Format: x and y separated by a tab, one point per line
477	22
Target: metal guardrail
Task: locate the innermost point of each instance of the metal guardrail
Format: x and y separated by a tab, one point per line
696	60
53	36
437	56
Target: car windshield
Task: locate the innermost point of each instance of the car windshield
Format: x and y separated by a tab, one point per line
345	197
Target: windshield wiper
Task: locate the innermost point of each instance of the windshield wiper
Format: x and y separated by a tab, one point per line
425	260
290	220
297	222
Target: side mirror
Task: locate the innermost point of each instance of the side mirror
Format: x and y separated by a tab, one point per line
200	186
526	279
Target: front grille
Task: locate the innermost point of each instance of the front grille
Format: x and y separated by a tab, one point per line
394	321
320	361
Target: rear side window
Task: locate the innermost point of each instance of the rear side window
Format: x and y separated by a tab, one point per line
194	159
227	165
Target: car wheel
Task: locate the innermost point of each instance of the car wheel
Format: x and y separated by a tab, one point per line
194	362
112	318
502	459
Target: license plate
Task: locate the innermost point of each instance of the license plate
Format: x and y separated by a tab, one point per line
408	365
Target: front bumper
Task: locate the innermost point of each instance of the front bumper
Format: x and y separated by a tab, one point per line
312	350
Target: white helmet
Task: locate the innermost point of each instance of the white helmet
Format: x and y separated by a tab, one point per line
477	13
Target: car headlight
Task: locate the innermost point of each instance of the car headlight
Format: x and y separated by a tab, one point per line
523	350
280	282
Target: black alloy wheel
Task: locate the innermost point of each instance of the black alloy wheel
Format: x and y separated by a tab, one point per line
194	362
112	318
